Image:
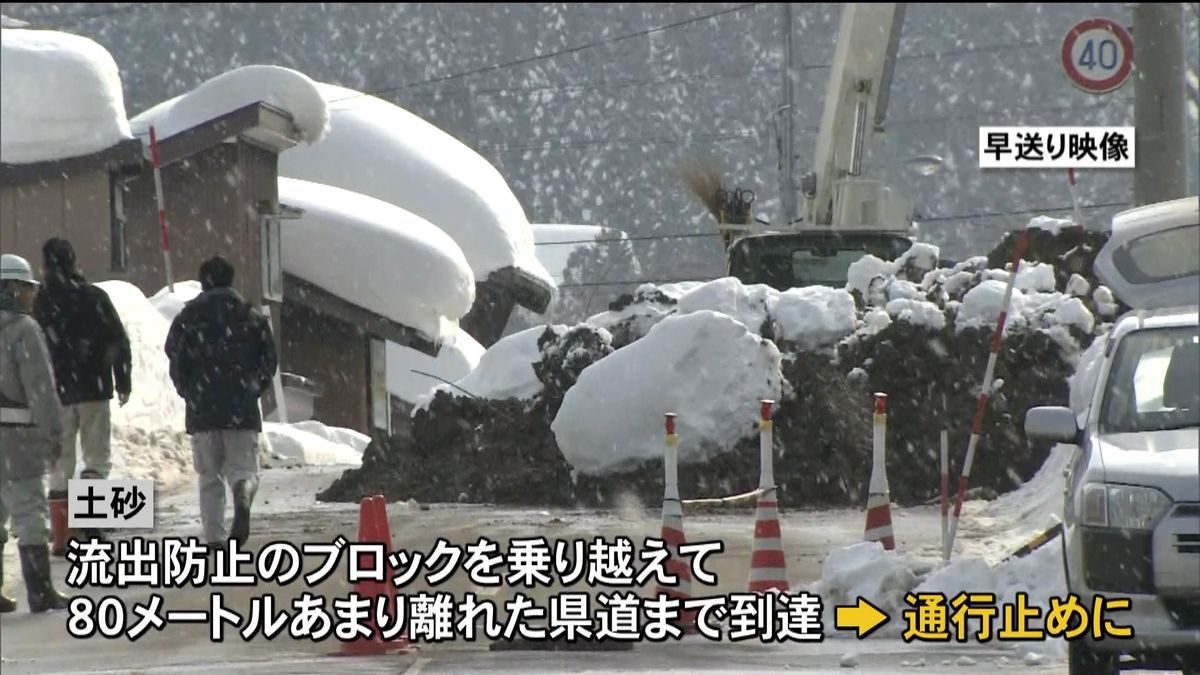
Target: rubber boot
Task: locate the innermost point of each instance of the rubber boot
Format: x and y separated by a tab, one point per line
7	604
39	585
243	495
58	522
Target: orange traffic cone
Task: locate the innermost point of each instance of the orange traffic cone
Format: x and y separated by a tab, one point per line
373	528
879	502
672	529
768	564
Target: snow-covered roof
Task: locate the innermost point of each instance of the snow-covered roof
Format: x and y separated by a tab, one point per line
379	149
377	256
60	97
289	90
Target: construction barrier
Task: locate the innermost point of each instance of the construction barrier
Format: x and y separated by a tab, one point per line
1037	542
879	502
768	563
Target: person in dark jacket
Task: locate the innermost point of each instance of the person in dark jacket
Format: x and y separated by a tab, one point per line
222	357
90	351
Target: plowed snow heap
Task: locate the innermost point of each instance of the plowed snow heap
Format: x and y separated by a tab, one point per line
580	423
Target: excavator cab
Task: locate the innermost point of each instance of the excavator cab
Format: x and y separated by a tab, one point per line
786	260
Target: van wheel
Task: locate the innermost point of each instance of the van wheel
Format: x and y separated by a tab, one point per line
1082	660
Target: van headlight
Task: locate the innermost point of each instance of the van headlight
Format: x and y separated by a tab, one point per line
1123	507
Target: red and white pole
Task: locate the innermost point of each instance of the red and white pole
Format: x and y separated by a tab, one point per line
1075	197
879	500
945	475
162	210
985	391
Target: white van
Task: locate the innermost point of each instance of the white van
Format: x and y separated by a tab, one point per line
1131	521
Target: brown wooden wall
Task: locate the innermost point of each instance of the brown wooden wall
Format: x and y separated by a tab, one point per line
75	206
212	203
335	355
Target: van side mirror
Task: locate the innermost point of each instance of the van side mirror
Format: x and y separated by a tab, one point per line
1051	423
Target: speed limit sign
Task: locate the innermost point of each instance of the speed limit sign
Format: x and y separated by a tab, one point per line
1097	55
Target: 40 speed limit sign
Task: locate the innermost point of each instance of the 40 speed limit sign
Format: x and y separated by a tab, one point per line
1097	55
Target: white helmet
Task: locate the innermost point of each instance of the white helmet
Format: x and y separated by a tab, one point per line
16	268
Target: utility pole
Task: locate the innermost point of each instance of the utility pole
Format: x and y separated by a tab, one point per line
1158	108
787	116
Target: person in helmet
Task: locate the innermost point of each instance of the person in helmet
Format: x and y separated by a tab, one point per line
90	350
30	426
222	357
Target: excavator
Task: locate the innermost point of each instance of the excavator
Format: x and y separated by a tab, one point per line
846	213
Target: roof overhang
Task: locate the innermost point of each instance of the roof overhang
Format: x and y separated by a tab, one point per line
527	290
259	124
123	158
324	302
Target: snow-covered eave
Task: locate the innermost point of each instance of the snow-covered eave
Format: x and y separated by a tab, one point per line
124	157
322	301
259	123
528	290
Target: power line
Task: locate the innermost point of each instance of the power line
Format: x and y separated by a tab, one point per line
680	140
548	55
644	237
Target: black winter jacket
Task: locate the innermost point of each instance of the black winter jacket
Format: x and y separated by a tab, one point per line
86	339
222	357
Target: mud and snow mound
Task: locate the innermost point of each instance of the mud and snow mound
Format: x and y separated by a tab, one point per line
286	89
505	370
414	375
379	149
60	96
705	367
750	305
814	317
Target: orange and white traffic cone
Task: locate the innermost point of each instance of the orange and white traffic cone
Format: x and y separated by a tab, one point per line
879	502
59	513
768	563
672	528
373	529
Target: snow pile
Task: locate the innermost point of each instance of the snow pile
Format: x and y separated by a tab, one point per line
918	260
982	304
378	256
171	304
505	370
749	305
60	97
556	243
705	367
409	371
1035	277
865	570
147	433
1051	225
812	317
1083	382
287	89
312	445
383	151
917	312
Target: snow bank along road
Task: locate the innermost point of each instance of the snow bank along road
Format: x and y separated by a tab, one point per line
286	511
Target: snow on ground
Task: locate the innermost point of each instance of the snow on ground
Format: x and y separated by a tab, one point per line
147	433
458	356
383	151
148	437
170	304
60	96
555	244
377	256
287	89
705	367
505	370
313	444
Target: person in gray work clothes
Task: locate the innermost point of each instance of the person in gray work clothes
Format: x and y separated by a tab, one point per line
222	357
30	427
